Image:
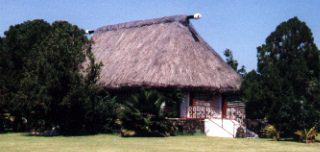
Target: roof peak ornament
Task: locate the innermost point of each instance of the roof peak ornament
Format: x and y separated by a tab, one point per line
89	31
197	16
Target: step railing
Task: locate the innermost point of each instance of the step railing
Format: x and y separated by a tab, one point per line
202	112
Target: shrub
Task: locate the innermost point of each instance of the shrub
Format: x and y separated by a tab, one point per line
142	114
127	133
137	124
271	132
240	133
307	135
101	113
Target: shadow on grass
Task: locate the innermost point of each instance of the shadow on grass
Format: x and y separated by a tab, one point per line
291	140
10	132
29	134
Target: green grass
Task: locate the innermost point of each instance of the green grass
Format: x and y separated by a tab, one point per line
112	143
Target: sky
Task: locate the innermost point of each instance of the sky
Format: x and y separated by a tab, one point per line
241	26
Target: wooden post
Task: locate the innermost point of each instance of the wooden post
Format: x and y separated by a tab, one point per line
224	107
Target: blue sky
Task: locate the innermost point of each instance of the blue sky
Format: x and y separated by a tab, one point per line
238	25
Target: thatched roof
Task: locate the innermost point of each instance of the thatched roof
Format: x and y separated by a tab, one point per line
160	53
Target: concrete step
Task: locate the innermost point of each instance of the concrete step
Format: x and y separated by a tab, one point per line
221	127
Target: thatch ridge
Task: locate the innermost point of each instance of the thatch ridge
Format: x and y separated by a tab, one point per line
163	53
139	23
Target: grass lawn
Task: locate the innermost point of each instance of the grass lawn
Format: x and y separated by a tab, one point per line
112	143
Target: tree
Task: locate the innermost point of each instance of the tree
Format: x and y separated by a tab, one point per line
230	60
288	66
2	88
234	63
252	93
20	56
42	79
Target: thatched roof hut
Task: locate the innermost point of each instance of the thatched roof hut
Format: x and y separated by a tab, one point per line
164	52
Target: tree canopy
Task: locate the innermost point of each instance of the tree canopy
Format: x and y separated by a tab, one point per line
285	89
233	63
230	60
40	75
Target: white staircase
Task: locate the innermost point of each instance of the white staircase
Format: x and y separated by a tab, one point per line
221	127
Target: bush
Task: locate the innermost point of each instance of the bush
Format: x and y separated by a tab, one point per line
307	135
144	126
240	133
2	123
142	114
101	113
271	132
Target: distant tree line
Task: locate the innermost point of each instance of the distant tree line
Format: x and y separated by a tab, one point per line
284	91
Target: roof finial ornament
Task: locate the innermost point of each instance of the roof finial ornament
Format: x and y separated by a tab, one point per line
89	31
194	16
197	16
